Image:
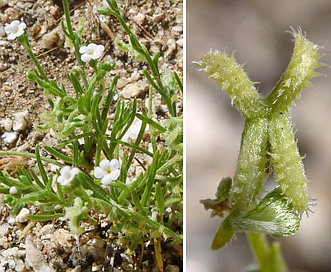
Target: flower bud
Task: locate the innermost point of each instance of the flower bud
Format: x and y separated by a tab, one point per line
77	71
32	76
107	66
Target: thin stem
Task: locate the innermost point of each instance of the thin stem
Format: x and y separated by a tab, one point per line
157	83
25	42
30	156
269	258
260	247
75	40
67	15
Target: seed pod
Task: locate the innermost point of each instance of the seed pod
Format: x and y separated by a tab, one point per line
287	163
298	74
234	81
252	166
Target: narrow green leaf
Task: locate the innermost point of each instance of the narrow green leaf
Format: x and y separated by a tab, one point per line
41	167
223	235
160	198
58	154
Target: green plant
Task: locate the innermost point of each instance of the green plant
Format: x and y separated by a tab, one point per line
94	175
268	145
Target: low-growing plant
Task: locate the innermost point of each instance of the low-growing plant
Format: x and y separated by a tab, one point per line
93	176
268	146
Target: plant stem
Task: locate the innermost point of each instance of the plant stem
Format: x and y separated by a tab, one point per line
269	257
30	156
23	40
75	40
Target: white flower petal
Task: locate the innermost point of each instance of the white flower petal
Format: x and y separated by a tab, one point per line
83	49
12	26
114	174
62	180
91	51
65	170
106	180
74	171
22	26
11	36
14	29
98	50
99	172
108	171
67	174
105	164
86	57
114	164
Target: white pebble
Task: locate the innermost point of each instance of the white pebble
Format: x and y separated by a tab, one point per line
180	42
132	133
19	266
22	216
34	258
139	18
9	138
47	229
11	264
21	120
6	125
4	229
50	39
11	220
134	89
13	251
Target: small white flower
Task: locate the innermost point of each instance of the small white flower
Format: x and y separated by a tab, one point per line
92	51
107	171
67	175
14	29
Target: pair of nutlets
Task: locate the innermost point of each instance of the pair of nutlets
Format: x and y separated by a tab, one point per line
268	144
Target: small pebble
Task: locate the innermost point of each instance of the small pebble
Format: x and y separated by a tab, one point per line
6	125
134	89
180	42
10	252
22	216
3	3
34	258
3	67
139	19
132	133
4	229
78	268
9	138
47	229
51	39
19	265
21	120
